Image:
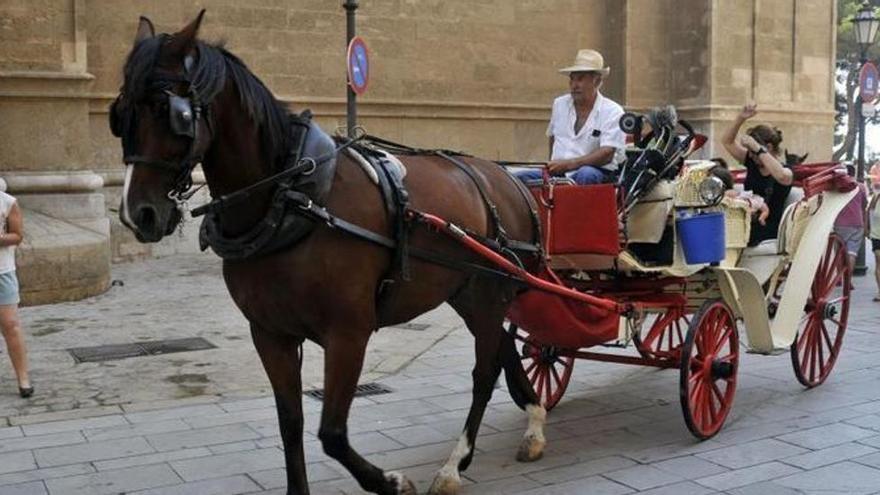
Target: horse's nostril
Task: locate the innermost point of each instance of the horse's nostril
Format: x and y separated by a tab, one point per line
146	218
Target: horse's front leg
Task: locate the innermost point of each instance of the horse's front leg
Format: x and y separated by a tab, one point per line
343	359
282	358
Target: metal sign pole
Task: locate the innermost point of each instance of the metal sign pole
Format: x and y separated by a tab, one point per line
350	7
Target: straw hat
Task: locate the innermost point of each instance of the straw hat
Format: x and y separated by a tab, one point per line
587	61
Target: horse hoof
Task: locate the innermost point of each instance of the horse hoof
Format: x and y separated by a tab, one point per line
445	484
403	484
531	449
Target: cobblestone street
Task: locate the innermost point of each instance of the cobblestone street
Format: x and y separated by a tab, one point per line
203	422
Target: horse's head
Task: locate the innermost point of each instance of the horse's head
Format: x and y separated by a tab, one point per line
163	121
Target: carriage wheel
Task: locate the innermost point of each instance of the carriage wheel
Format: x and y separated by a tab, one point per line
548	369
709	362
818	342
664	339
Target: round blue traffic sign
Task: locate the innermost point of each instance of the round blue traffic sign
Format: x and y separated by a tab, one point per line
868	79
358	65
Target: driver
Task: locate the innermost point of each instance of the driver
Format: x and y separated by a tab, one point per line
586	142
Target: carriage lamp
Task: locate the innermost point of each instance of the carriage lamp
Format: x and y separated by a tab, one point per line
711	190
865	27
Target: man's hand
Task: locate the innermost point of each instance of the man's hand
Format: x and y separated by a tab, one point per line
559	167
748	111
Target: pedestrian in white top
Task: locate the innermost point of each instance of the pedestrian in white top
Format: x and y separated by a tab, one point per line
11	236
586	142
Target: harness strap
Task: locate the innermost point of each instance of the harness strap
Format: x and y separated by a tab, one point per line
304	166
400	198
305	207
500	234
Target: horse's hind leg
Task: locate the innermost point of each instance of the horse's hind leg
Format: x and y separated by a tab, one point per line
343	359
485	324
282	359
532	446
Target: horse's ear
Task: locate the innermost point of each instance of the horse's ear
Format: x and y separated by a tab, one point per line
183	40
145	30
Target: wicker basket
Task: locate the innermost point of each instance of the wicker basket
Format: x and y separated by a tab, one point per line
687	185
737	222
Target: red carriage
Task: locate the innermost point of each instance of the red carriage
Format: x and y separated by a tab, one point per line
617	273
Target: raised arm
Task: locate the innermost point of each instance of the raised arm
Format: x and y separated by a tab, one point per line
728	140
13	234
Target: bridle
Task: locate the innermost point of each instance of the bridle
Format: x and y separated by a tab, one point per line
184	113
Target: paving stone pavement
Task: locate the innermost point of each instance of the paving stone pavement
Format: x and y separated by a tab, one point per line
204	422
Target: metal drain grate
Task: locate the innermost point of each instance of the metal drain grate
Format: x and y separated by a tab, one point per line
147	348
362	390
418	327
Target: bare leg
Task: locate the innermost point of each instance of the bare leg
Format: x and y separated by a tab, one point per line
282	361
343	360
11	327
877	272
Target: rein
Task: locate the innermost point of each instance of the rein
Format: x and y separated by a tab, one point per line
304	166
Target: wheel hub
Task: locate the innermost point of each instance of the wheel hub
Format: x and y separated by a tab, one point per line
829	310
548	355
721	369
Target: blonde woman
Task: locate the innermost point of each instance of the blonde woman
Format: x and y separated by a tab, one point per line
11	236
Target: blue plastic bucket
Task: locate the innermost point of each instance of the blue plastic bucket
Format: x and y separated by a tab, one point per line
702	237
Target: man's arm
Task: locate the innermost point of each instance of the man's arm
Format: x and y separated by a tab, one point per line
13	236
551	140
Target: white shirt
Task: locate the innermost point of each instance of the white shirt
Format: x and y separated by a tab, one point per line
7	253
602	128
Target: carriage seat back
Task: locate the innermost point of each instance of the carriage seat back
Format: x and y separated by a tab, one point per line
579	219
648	218
794	220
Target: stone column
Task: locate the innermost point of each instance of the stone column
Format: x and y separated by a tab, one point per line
45	151
722	54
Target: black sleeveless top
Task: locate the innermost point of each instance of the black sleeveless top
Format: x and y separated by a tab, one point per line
774	195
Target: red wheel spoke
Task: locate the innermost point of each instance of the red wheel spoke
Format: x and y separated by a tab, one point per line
724	338
710	407
556	377
827	337
536	374
531	367
718	392
539	378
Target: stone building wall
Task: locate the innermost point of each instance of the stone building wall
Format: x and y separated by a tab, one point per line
477	76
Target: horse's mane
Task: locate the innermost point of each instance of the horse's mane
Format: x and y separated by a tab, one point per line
208	77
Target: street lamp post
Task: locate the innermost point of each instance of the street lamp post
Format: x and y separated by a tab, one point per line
865	26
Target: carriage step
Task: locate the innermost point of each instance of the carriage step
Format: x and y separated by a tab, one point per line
147	348
362	390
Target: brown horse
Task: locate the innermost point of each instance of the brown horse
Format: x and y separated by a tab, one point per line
185	102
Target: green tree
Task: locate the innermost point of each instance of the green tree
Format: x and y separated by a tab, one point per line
847	76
